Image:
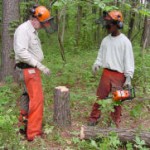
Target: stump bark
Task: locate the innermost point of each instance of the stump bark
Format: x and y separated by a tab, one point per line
123	134
62	115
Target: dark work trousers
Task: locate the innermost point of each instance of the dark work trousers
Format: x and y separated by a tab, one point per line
109	80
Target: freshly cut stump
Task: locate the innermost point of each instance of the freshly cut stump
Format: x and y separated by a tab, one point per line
124	135
62	115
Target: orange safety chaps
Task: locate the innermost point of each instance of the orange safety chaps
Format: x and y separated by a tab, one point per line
33	85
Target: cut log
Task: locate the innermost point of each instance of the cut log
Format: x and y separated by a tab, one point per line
62	115
124	135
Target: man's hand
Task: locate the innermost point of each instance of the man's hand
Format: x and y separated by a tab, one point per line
127	82
44	69
95	68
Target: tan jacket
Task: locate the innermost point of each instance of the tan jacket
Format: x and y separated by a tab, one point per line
27	45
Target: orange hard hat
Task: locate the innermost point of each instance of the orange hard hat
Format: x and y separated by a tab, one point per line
114	15
42	13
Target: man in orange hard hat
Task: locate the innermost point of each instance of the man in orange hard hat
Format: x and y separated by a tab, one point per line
116	58
28	57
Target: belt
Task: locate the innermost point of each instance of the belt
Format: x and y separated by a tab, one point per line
22	65
111	70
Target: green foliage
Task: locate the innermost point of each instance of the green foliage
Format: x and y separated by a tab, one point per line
48	129
91	145
76	75
142	70
106	107
127	6
8	119
104	5
24	10
12	26
129	146
136	111
110	143
140	144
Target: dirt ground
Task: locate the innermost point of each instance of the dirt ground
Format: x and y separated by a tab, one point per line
141	121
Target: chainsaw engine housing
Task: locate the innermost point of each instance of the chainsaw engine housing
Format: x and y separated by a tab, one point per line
124	94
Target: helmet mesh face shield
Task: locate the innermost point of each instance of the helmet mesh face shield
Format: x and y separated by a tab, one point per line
49	25
102	20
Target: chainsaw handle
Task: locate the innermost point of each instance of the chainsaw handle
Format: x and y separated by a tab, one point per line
133	92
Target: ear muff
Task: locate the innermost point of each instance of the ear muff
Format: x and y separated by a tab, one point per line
32	10
120	24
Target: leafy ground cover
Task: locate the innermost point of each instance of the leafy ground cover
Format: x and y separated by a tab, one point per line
76	75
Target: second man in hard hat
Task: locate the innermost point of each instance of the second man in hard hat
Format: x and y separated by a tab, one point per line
116	58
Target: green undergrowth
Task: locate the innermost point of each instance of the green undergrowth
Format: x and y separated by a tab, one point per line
76	75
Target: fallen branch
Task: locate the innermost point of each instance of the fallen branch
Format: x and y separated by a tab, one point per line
124	135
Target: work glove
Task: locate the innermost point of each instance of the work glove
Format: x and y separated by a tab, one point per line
127	82
95	68
43	68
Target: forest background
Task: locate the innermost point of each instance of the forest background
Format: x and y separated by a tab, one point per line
69	53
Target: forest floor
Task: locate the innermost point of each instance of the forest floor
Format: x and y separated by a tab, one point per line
133	117
75	75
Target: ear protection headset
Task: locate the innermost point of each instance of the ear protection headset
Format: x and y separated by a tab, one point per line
32	11
119	23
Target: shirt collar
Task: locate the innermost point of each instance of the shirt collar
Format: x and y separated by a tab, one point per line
31	28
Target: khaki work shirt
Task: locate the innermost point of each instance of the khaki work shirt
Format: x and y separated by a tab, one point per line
27	45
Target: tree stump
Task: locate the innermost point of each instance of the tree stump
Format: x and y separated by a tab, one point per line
124	135
62	115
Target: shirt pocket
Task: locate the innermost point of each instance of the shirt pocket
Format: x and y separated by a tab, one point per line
35	43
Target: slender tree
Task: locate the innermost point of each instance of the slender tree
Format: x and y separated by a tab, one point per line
10	13
132	19
78	26
146	31
61	31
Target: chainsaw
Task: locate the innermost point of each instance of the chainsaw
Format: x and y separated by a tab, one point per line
124	94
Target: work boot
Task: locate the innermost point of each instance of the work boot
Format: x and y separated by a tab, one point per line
117	123
22	125
22	131
92	123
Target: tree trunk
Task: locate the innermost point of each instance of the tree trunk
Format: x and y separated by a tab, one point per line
132	19
131	24
99	30
61	31
146	33
78	28
10	13
62	116
116	2
94	11
124	135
